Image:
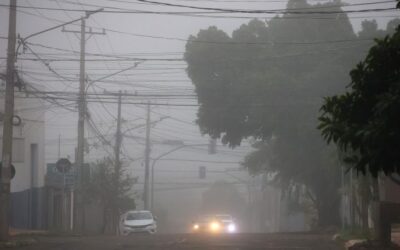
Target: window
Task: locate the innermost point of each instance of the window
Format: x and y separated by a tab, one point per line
139	216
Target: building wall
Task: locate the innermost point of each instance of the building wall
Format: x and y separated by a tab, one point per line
27	187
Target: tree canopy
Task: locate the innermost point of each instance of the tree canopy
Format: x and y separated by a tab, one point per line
266	81
364	122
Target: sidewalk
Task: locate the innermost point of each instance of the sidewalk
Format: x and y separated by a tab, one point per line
363	244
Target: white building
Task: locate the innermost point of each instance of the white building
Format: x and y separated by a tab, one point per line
27	187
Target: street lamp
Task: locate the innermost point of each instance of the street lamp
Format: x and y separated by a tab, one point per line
87	15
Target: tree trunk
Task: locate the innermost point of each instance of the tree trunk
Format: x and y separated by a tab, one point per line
353	207
375	206
364	200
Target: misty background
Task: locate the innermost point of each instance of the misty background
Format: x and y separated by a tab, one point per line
158	38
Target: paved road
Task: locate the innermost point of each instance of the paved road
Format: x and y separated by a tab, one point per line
189	241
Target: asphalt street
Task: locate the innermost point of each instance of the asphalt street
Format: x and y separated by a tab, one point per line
189	241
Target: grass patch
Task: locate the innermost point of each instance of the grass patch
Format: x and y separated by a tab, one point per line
356	233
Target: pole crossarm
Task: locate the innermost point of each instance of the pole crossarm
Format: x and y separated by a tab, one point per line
90	32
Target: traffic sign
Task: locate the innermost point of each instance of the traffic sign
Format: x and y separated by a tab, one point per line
63	165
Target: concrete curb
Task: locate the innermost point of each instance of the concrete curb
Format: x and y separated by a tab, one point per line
363	244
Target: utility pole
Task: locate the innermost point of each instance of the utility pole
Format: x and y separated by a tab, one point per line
147	160
118	136
117	174
80	210
59	146
8	125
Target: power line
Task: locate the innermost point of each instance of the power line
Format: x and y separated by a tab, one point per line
200	161
75	52
217	42
114	95
114	101
280	11
97	60
215	10
135	59
192	14
98	133
198	15
213	42
44	62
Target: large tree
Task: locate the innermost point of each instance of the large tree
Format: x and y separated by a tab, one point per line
266	81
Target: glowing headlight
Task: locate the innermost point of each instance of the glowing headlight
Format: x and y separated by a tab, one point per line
195	226
214	226
231	228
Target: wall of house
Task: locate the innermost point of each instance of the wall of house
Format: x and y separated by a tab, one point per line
27	187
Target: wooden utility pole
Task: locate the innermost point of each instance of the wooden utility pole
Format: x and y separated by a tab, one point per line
147	160
118	136
79	205
8	125
117	174
79	224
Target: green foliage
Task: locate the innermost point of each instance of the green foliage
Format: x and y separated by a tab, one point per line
266	81
364	122
112	190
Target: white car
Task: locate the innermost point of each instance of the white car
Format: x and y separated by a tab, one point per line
138	222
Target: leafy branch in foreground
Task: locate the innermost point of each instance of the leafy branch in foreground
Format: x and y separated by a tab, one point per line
364	122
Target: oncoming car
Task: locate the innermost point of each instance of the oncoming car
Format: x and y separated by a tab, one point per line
138	222
220	223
